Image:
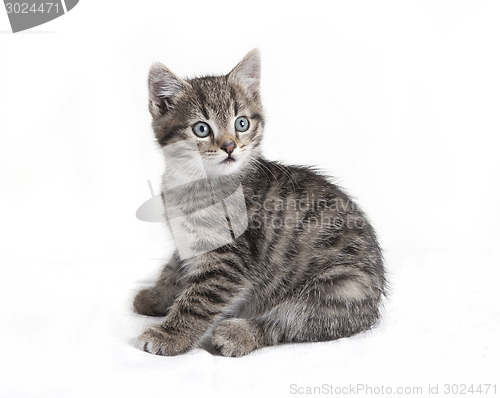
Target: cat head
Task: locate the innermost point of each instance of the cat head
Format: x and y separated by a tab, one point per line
214	122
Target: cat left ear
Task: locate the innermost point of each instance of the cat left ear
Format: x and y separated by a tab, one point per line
164	87
247	72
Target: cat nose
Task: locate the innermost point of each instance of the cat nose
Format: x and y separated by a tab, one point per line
228	147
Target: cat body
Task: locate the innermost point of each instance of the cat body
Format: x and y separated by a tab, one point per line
267	253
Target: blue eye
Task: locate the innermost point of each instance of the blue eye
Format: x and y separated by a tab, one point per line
201	129
242	124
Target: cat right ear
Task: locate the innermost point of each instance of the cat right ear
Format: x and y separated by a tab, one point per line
247	72
164	87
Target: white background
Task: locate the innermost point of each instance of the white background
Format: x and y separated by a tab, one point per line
398	100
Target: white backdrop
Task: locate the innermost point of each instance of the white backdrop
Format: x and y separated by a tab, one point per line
399	100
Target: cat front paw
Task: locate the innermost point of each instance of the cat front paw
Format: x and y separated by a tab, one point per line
148	302
159	341
235	337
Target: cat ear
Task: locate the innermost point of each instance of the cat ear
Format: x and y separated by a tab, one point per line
247	72
164	87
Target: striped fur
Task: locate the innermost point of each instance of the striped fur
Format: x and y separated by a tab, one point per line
308	266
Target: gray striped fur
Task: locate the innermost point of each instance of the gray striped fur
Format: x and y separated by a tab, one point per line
307	268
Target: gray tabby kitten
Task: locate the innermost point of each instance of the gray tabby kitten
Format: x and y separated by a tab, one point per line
301	263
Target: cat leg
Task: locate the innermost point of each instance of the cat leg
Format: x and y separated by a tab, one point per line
321	311
156	301
235	337
210	291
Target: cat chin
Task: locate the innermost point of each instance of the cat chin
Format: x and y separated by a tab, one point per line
223	169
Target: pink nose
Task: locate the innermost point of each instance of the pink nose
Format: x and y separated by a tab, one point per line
228	147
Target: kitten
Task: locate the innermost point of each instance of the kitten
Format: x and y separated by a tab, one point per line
266	253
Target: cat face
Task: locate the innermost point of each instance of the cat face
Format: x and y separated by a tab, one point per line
215	122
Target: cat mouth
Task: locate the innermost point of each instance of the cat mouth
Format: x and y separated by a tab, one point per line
228	160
